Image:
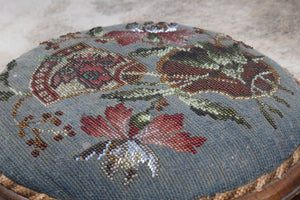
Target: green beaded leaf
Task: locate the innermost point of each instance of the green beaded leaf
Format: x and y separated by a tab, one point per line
4	96
144	52
140	120
268	117
224	55
154	37
96	31
213	109
229	60
4	76
263	106
145	94
274	110
279	100
147	83
196	57
11	65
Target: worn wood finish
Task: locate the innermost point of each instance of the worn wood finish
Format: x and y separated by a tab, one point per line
6	194
285	188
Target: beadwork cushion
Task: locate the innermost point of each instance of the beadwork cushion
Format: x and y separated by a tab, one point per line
146	111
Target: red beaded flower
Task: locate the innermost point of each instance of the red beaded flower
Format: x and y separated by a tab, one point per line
129	135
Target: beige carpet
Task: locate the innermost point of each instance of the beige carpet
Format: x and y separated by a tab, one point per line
270	26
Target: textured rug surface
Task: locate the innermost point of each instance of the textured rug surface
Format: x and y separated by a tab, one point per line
271	27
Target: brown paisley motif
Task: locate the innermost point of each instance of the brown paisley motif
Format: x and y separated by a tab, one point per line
198	70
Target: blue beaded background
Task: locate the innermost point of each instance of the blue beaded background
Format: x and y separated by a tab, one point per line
232	156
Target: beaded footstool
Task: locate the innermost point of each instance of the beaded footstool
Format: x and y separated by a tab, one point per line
148	111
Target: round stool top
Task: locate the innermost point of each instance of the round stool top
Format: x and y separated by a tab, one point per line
145	111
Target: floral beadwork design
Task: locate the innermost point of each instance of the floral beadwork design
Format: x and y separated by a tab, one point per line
210	67
128	37
31	125
128	138
185	69
86	70
151	33
238	74
160	34
152	27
